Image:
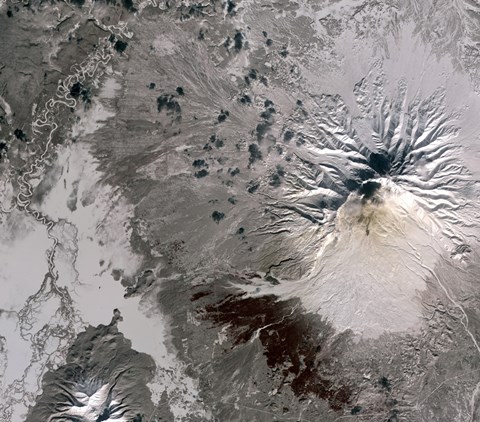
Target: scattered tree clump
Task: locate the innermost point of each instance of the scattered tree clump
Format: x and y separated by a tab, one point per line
223	116
120	46
128	4
356	410
245	99
255	153
3	149
267	117
20	135
384	382
276	177
238	41
201	173
284	52
230	7
168	103
252	74
199	163
253	186
234	172
217	216
275	180
288	135
78	90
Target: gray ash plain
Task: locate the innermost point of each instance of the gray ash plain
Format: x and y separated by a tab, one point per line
278	201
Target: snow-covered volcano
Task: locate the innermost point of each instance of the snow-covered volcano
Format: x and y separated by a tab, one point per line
391	195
